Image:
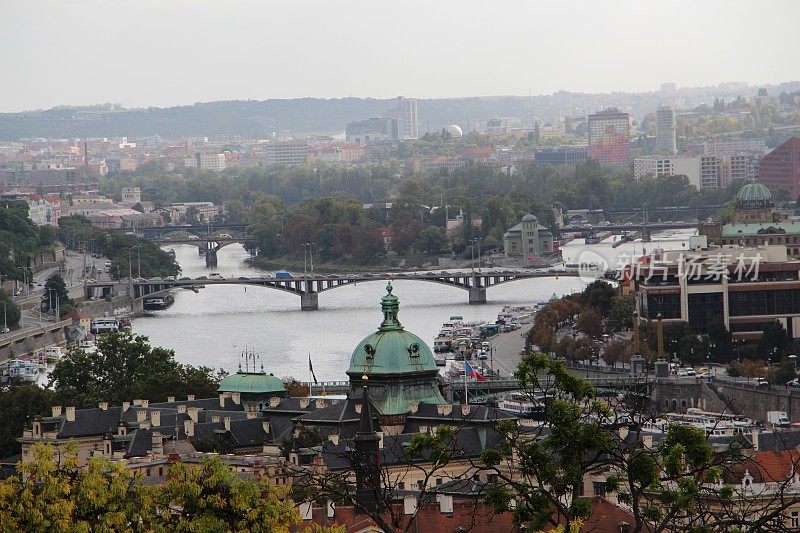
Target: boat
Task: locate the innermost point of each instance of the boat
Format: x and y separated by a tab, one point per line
157	303
522	405
104	325
24	370
88	346
440	360
53	353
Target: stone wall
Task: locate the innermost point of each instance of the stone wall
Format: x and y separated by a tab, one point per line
31	343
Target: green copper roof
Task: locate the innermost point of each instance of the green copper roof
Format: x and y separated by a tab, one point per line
753	196
391	350
752	230
251	382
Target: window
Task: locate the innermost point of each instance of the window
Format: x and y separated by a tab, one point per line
599	488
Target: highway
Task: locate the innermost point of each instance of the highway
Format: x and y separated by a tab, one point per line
506	349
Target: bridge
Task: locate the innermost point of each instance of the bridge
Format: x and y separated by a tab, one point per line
207	246
309	287
481	391
646	228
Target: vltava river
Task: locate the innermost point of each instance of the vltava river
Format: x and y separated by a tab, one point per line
213	327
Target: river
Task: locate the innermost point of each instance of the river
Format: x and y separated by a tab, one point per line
213	326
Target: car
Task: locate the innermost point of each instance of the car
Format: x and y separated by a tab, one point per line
351	276
6	330
202	277
185	278
386	275
793	383
482	356
88	281
243	278
335	276
368	275
169	278
762	383
703	375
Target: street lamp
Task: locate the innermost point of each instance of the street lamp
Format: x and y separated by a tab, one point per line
793	359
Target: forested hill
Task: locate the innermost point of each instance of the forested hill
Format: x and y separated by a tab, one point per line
249	118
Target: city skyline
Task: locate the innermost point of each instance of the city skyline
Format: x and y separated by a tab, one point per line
344	49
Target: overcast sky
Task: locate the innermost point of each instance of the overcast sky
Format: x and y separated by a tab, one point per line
170	52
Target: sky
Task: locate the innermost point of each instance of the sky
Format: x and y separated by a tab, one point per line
143	53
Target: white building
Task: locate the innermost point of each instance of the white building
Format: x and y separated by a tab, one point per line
660	167
734	146
287	153
666	142
131	195
215	162
406	114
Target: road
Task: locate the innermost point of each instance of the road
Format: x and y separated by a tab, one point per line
506	348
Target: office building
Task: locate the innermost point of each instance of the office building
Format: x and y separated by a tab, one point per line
563	155
215	162
735	145
288	153
743	289
367	131
406	116
780	169
609	137
666	142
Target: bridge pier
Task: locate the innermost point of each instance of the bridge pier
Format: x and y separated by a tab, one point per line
211	257
477	295
309	301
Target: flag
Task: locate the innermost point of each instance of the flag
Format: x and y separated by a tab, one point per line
311	369
472	373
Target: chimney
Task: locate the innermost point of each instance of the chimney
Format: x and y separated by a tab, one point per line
409	504
137	403
103	406
126	406
647	440
265	425
71	413
358	408
145	403
155	418
444	409
251	415
303	403
181	408
274	401
56	410
122	429
171	399
413	407
319	403
222	396
188	427
237	398
334	438
192	412
465	409
380	439
141	416
227	422
623	432
190	397
754	438
107	445
157	448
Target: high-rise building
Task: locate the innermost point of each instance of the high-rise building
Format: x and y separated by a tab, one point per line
210	161
287	153
609	137
780	169
406	115
665	131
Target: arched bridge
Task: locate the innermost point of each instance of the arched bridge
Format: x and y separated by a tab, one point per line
309	287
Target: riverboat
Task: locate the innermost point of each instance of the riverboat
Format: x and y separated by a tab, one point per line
157	303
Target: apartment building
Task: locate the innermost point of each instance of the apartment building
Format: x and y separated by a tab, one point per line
288	153
609	137
666	142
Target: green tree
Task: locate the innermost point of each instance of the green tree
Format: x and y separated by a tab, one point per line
10	309
620	314
126	367
782	373
774	342
213	498
56	296
432	240
20	402
599	294
590	322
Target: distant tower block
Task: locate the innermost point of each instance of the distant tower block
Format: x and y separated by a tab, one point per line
666	142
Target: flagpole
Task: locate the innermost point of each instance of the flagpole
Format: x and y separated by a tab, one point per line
310	374
466	395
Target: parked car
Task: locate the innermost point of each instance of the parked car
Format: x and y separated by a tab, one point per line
761	382
794	383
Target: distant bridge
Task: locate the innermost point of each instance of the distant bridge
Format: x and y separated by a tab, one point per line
309	287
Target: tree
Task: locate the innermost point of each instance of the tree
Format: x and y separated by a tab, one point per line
10	308
126	367
620	314
590	322
432	240
56	296
599	294
783	373
617	351
774	342
19	404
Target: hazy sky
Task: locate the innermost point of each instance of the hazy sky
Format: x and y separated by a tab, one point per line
170	52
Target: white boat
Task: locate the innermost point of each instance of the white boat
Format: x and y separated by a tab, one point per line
25	370
53	353
88	346
521	405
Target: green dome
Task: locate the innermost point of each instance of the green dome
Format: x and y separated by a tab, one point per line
753	196
530	218
391	350
251	383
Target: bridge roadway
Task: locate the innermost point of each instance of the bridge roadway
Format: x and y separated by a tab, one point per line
309	287
651	226
481	390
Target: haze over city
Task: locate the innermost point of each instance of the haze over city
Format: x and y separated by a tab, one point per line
170	52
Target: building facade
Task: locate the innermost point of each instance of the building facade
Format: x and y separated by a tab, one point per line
666	142
609	137
287	153
780	169
528	239
563	155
